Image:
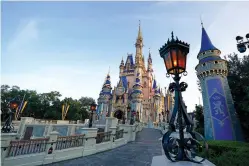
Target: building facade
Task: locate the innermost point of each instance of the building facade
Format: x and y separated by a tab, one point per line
220	119
137	88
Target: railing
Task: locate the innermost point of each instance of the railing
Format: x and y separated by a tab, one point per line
103	137
69	142
27	147
135	128
119	134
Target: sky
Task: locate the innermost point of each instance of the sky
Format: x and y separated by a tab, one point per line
69	46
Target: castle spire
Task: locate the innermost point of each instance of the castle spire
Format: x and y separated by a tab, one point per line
149	62
139	61
139	36
206	43
122	62
149	58
108	74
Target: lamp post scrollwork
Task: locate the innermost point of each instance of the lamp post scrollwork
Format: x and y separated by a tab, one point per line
179	148
92	108
12	106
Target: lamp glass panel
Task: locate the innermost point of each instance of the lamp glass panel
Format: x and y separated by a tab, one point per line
168	61
181	59
185	60
174	57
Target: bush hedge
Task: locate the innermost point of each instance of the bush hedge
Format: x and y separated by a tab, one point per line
228	153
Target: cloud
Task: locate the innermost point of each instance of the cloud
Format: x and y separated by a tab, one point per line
24	36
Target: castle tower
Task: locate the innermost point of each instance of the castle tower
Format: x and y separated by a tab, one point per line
220	119
121	68
139	62
137	97
149	69
156	108
105	96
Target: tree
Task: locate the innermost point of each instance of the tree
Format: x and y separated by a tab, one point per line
199	118
45	105
238	79
85	102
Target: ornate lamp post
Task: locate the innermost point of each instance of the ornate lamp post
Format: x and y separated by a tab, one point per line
129	112
163	114
174	54
133	113
137	116
124	118
241	46
13	105
92	108
167	114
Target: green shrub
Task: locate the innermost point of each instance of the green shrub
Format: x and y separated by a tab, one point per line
228	153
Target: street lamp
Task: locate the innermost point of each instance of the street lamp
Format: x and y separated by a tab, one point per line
174	54
137	116
129	113
241	46
167	114
92	108
133	113
13	105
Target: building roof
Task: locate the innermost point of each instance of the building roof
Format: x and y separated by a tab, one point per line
206	43
154	84
125	82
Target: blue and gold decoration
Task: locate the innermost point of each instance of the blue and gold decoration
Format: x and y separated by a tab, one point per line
220	119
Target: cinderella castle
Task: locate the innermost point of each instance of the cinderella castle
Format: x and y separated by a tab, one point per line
137	94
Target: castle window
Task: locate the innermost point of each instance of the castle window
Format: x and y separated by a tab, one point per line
204	64
215	62
145	84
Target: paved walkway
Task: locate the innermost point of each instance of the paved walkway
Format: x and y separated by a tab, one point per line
138	153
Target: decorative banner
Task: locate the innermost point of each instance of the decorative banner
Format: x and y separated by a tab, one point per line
20	108
64	111
221	123
24	105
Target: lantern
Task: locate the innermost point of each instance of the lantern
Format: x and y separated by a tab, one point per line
93	107
174	54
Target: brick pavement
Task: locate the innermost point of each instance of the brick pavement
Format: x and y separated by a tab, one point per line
138	153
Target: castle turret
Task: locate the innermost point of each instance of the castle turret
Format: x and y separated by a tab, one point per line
156	97
105	96
137	97
220	119
149	68
121	67
139	58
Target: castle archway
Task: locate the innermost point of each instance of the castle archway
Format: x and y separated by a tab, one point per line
119	114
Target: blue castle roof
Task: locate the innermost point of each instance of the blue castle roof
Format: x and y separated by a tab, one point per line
206	43
108	82
154	84
125	82
131	59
